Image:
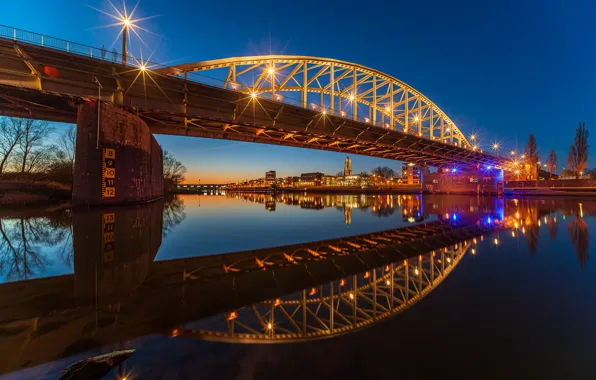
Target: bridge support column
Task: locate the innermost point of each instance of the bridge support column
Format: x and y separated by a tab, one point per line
117	158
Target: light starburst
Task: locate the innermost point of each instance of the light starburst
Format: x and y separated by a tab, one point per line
126	22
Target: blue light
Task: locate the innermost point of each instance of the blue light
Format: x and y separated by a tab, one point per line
489	167
454	170
488	220
454	217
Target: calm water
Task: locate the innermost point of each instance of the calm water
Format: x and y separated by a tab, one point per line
461	286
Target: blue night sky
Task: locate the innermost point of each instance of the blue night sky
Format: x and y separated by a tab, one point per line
502	69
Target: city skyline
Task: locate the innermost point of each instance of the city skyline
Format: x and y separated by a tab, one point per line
494	82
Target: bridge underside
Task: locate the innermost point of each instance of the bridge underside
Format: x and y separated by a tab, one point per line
47	84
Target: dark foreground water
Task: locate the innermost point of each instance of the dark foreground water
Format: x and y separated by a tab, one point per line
436	287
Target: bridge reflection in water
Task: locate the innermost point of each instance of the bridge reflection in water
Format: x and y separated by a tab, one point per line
333	308
283	294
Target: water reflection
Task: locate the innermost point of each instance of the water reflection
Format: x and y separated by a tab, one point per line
28	244
315	288
330	309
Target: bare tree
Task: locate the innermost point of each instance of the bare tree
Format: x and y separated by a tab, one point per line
531	158
173	170
384	171
551	162
31	150
580	143
66	146
10	135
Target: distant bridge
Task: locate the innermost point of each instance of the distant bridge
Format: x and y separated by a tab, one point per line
342	106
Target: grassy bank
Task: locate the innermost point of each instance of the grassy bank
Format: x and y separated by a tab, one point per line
15	193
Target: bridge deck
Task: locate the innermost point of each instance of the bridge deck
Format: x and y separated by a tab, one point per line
46	83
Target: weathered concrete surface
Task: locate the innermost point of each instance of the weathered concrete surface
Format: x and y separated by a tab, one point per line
138	157
465	182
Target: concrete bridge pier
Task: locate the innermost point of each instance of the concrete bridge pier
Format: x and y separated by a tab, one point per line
117	158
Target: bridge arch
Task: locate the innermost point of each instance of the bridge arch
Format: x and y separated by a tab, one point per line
332	86
336	308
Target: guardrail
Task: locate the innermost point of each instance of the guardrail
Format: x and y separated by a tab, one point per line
20	35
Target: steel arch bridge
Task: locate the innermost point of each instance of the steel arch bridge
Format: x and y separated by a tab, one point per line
339	307
333	87
306	102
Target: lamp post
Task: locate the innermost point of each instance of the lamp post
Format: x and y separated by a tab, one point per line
126	23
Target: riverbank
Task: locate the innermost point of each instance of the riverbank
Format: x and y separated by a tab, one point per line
404	189
14	193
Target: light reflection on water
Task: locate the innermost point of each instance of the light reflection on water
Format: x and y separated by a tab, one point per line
40	244
513	284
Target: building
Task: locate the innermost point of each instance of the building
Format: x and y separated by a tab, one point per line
271	176
329	180
410	174
311	179
348	167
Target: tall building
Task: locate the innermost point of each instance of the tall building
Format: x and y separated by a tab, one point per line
348	167
270	176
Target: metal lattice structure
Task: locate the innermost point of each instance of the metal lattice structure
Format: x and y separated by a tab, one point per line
338	307
332	86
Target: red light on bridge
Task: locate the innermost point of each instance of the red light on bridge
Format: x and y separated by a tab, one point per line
51	71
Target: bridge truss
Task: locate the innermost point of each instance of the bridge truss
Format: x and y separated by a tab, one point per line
334	87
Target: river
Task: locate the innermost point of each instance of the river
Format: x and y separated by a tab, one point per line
293	286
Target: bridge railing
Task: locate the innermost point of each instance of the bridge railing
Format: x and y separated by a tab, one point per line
20	35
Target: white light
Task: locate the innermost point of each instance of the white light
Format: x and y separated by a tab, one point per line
269	326
351	97
143	68
126	22
387	109
415	118
351	296
473	137
324	112
253	95
474	147
271	70
388	282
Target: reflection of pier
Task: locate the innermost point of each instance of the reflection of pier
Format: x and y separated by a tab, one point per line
109	301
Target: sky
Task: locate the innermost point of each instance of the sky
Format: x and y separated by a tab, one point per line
500	69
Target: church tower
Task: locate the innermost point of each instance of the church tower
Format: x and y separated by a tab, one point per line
348	167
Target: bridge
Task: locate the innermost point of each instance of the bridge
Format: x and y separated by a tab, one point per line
298	101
